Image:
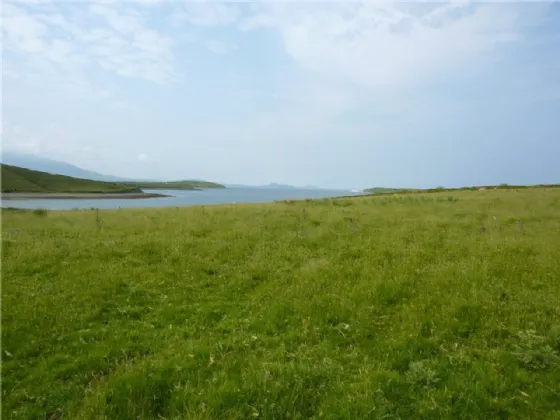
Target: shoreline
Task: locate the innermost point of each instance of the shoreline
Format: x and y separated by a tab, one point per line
74	196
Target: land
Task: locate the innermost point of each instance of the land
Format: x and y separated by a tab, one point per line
22	183
382	190
22	180
276	186
175	185
39	163
411	306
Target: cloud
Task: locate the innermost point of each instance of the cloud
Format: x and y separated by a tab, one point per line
77	38
219	47
387	46
206	14
21	31
314	85
23	139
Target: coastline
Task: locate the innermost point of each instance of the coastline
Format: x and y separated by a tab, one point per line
73	196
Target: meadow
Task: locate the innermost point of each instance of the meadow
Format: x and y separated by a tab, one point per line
424	306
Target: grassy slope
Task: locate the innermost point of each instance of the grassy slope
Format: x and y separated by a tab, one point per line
176	185
21	180
374	307
14	181
381	190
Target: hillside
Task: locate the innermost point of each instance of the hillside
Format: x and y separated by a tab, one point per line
175	185
381	190
419	306
37	163
51	166
22	180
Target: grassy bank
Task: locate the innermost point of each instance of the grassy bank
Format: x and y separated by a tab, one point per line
381	190
22	180
438	306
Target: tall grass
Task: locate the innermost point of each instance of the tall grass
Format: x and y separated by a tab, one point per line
374	307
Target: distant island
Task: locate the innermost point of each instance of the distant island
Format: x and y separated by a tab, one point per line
279	186
275	186
174	185
382	190
272	185
26	183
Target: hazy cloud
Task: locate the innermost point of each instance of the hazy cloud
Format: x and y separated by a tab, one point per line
354	93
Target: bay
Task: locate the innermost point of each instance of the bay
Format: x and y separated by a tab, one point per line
183	198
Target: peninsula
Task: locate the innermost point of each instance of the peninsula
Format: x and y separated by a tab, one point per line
22	183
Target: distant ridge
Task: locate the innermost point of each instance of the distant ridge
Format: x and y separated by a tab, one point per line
55	167
51	166
273	185
16	179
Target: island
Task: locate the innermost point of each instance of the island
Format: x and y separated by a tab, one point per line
382	190
22	183
174	185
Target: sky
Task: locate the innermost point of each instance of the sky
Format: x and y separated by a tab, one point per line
334	94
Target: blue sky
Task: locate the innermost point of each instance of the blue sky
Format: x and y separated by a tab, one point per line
345	95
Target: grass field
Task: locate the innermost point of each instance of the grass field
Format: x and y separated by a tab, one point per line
436	306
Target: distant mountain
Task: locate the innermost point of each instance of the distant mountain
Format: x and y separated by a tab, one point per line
174	185
54	167
273	185
49	166
279	186
256	186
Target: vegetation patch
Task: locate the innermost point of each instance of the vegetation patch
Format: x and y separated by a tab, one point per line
22	180
371	307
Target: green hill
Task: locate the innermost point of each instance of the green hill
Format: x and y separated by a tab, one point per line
381	190
21	180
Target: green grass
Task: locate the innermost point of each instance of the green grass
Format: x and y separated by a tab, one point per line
176	185
22	180
439	306
382	190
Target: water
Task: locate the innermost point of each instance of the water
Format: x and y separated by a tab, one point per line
181	198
